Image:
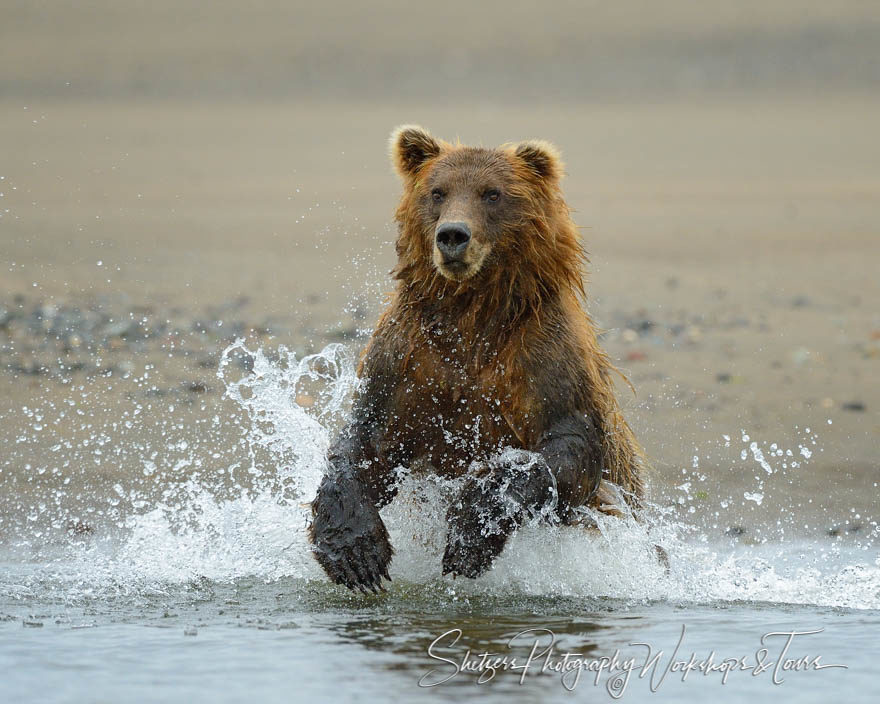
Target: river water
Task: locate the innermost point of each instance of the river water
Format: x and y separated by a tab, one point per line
203	588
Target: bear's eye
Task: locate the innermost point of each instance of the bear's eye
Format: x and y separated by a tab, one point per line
492	195
437	195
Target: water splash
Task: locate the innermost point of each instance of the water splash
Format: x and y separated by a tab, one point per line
289	409
293	406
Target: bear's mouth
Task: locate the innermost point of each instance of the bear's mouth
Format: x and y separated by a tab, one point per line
454	269
461	266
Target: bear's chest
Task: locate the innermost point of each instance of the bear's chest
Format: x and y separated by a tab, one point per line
453	408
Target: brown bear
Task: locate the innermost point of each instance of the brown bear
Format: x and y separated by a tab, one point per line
485	346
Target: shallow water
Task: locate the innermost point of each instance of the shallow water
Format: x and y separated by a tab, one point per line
194	581
295	640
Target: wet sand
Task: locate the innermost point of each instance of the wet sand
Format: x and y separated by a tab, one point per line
734	227
734	250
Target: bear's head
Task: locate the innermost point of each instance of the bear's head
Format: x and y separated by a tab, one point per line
479	217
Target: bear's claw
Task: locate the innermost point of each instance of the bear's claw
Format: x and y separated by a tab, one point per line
349	539
361	564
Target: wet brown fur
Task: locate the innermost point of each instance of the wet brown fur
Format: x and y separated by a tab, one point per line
465	363
509	304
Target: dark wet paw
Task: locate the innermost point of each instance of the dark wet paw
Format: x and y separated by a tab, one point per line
472	558
480	520
491	505
349	539
360	562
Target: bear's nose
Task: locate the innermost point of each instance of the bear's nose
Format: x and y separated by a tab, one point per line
452	239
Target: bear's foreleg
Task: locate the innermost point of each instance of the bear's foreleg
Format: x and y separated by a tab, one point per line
349	539
496	500
572	448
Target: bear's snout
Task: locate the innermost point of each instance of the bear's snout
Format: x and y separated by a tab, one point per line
452	240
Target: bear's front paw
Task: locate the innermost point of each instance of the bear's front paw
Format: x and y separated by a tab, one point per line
480	520
349	539
491	506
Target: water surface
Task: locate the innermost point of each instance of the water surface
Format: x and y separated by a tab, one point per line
197	584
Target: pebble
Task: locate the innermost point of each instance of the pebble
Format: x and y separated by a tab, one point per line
59	339
846	528
120	328
642	326
693	334
79	528
126	366
800	355
344	334
869	351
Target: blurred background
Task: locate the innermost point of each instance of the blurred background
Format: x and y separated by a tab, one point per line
176	174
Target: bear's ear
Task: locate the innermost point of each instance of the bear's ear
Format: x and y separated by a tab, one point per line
541	158
411	147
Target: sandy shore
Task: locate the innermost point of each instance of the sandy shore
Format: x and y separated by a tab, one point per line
166	199
734	250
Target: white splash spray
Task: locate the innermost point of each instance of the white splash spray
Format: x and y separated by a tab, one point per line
293	406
